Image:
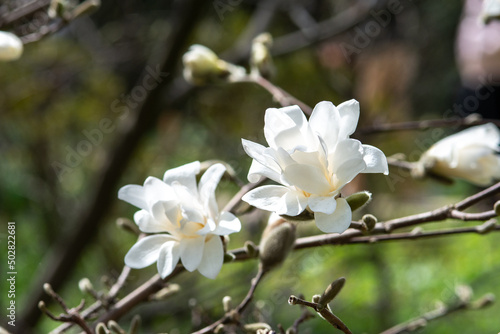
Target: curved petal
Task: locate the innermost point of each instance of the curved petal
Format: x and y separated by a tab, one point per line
260	154
347	161
192	210
133	194
325	122
267	198
338	221
228	224
148	224
213	258
308	178
185	175
326	204
168	258
375	160
349	116
207	185
294	203
157	190
282	119
146	251
258	170
192	252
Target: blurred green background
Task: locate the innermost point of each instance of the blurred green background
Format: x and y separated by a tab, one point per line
67	83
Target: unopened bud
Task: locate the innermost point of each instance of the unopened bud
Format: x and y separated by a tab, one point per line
370	221
48	289
11	47
261	61
305	215
251	249
219	329
202	66
331	291
85	285
226	303
358	200
316	298
42	306
291	330
277	241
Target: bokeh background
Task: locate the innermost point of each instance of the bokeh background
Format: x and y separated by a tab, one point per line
68	83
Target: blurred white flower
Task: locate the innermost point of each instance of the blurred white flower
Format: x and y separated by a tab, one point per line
471	154
202	66
313	161
11	46
185	218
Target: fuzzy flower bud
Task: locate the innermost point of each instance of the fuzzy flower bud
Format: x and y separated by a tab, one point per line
11	47
370	221
358	200
85	285
202	66
261	61
277	241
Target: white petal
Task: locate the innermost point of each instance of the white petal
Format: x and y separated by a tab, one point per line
185	175
168	258
278	120
324	205
261	154
145	252
147	223
267	198
258	170
208	184
338	221
325	122
192	252
228	224
375	160
133	194
213	258
349	116
347	161
309	178
294	203
192	209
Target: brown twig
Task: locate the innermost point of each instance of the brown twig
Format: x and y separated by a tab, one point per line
325	313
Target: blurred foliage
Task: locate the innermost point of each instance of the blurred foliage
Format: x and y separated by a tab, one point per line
63	86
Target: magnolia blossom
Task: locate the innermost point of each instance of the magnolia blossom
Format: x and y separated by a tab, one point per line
471	154
312	160
184	218
11	46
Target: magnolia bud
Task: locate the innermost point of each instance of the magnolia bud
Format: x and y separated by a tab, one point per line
85	285
277	241
487	226
113	325
331	291
202	66
127	225
253	328
101	329
166	292
358	200
485	301
226	303
135	324
11	47
464	293
260	60
370	221
250	249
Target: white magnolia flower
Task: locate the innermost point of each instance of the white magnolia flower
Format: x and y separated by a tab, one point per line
185	219
471	154
11	46
202	65
313	161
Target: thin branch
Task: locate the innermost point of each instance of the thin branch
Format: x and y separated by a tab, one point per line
239	309
325	313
